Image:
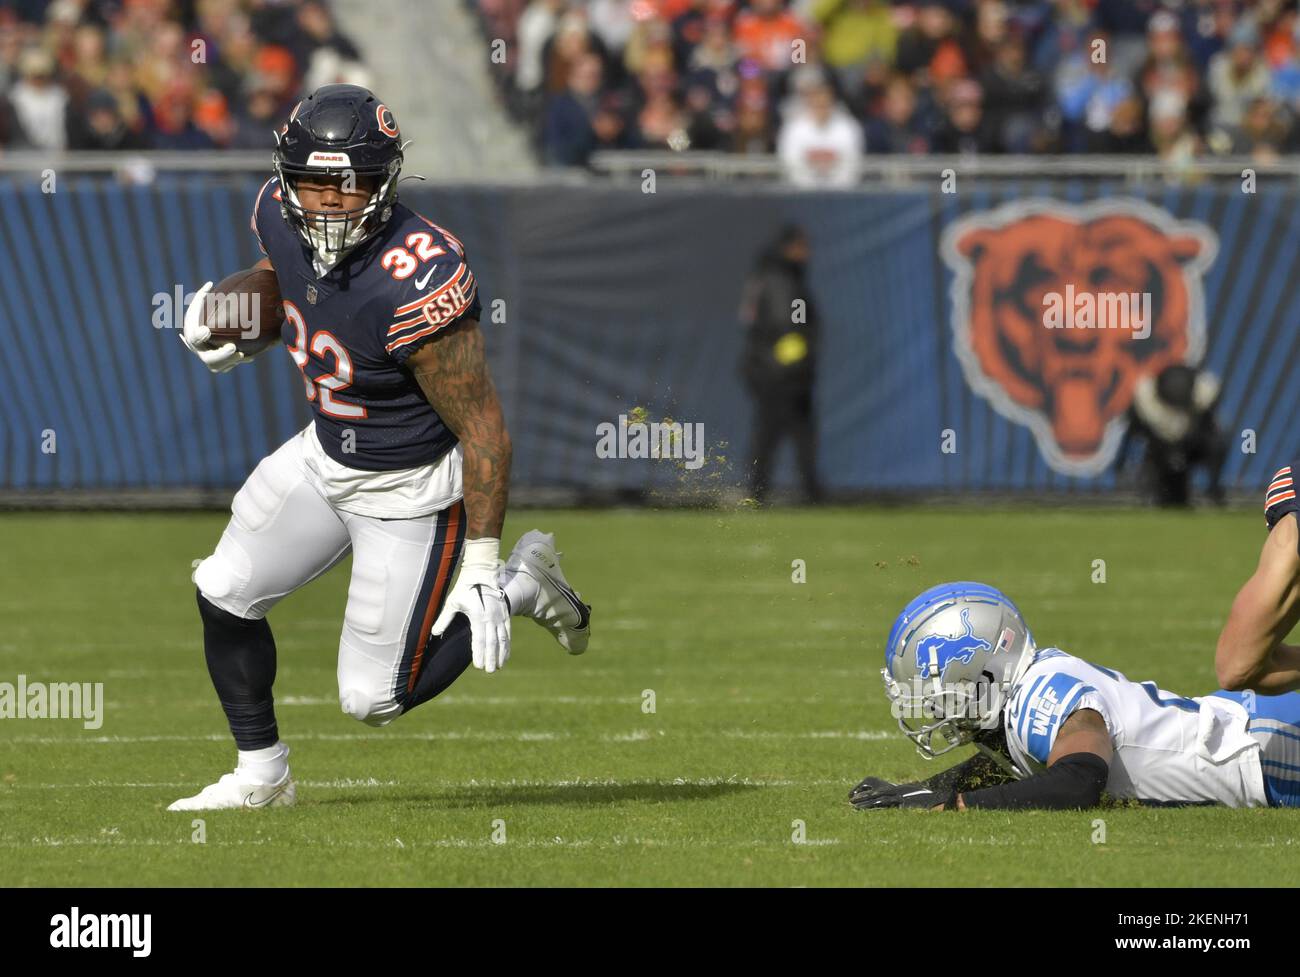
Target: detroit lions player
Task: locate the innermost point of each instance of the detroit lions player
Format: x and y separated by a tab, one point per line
1054	731
1252	653
405	465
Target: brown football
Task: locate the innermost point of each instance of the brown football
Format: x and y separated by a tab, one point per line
245	309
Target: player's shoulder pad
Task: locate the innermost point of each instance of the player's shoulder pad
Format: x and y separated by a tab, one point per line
1041	701
1281	497
267	197
433	285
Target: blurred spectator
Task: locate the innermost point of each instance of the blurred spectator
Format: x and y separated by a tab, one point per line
1127	133
568	137
853	33
1263	134
932	50
1063	33
1088	90
965	129
536	26
571	43
174	124
1168	68
766	33
820	144
1238	75
1016	95
660	121
39	101
163	74
691	29
753	133
1011	76
101	126
319	40
255	127
900	126
712	62
612	22
1173	137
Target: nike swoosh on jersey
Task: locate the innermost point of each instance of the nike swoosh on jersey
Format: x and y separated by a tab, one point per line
421	282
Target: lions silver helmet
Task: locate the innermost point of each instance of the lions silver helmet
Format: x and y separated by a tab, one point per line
950	661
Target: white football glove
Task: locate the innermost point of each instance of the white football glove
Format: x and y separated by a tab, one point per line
195	336
480	598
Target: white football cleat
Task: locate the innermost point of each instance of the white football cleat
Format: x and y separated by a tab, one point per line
234	790
559	607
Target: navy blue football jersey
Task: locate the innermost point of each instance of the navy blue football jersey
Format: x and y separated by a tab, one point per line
351	331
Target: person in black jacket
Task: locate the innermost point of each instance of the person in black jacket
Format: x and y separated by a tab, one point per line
1174	413
780	359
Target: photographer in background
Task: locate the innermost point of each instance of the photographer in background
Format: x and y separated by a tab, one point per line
1173	413
779	360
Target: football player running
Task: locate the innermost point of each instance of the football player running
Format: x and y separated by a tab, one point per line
405	465
1252	653
1054	731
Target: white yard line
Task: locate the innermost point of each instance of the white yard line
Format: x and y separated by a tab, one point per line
519	736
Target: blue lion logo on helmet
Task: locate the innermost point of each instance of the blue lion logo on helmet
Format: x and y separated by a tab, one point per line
935	653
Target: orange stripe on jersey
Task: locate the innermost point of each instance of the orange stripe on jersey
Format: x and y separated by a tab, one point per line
448	320
425	319
461	272
1281	489
446	561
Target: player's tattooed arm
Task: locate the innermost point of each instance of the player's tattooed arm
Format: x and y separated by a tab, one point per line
1251	653
452	371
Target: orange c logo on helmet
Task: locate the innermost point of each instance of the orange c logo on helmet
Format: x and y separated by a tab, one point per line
1070	384
387	122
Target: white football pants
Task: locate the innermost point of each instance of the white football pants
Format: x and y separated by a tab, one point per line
283	534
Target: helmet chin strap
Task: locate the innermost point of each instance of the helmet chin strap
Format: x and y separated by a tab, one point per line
1002	761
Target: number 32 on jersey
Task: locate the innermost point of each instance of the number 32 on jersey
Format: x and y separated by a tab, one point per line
323	341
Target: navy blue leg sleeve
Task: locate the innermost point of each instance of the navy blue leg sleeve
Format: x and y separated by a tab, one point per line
241	661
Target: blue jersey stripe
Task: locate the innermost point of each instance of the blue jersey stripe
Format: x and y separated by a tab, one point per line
1024	706
1281	766
1068	690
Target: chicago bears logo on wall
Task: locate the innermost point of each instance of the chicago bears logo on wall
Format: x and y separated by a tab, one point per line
1022	267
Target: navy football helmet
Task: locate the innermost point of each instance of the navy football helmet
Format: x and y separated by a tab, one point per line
951	659
339	130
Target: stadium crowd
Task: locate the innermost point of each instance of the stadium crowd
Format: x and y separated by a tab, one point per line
162	74
823	81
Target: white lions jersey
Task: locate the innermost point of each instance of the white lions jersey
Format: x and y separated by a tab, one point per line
1167	748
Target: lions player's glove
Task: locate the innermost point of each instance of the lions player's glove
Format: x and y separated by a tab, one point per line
899	795
195	336
868	786
478	596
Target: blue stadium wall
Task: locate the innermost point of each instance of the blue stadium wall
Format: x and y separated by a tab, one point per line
613	301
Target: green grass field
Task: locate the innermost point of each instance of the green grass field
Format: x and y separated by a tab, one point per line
767	708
